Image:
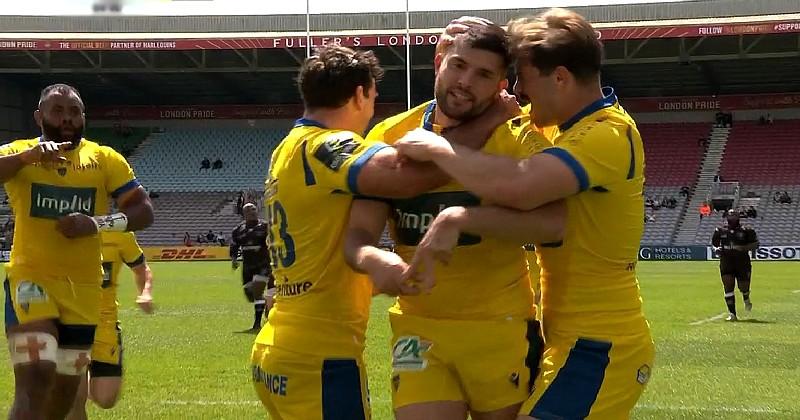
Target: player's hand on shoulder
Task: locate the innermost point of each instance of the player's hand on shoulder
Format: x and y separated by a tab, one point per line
76	225
389	276
45	152
422	145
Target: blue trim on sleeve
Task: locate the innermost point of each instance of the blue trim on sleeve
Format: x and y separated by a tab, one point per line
134	183
309	174
608	99
569	160
305	122
632	167
355	168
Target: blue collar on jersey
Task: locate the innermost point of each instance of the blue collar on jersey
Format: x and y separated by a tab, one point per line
303	122
608	99
427	117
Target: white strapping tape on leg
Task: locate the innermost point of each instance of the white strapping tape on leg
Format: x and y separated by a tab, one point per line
271	292
260	279
72	362
259	302
31	347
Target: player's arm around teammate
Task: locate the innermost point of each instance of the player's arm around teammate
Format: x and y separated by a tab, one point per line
596	166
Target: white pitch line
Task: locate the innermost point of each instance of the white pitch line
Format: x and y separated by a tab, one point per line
708	409
209	402
712	319
796	291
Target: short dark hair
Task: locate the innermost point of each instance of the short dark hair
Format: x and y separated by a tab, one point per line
558	37
489	37
59	88
329	78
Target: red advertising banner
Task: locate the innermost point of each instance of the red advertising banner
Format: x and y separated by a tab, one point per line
712	103
214	112
631	32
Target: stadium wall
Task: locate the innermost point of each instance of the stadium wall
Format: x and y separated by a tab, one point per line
16	112
707	253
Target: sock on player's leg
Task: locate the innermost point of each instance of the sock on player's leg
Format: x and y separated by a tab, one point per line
258	306
730	300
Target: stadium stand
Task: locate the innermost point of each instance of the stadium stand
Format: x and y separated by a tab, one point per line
123	139
763	158
195	212
673	157
776	224
171	161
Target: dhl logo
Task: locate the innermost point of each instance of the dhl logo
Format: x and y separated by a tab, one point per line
184	254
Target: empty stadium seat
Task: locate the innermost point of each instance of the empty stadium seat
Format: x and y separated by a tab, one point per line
170	161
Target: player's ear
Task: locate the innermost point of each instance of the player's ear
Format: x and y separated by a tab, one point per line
503	85
437	61
360	97
562	76
37	116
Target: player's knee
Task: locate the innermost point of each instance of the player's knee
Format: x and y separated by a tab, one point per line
105	398
248	294
105	391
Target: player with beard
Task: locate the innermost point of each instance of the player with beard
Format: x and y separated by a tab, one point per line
598	353
442	368
249	239
734	243
59	187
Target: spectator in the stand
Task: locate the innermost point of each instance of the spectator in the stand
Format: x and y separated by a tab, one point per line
240	203
762	120
719	118
221	239
770	120
685	191
205	164
671	203
703	142
201	239
187	239
211	237
705	210
649	202
217	164
650	218
718	178
751	212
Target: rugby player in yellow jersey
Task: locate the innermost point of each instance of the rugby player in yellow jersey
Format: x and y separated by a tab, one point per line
104	381
598	350
59	187
442	368
307	360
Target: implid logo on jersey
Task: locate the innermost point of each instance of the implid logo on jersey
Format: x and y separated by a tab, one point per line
52	202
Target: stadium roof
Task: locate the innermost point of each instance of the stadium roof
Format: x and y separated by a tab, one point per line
377	21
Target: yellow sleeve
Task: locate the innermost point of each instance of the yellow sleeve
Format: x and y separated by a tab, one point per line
130	251
335	159
12	148
119	175
530	142
598	155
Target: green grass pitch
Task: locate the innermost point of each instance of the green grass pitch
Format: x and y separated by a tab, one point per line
189	362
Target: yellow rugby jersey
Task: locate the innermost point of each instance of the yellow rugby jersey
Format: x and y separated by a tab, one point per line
486	278
39	194
322	305
594	269
118	248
